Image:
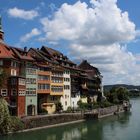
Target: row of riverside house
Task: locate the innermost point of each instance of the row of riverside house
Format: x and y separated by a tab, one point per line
37	79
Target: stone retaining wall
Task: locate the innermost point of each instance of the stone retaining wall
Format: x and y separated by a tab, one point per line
46	120
110	110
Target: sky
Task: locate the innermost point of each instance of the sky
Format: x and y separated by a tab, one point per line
105	32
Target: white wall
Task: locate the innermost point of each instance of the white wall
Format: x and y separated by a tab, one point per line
65	99
75	99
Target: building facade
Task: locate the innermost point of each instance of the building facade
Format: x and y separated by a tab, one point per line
35	80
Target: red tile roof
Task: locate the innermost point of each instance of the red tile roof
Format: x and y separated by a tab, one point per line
21	54
6	51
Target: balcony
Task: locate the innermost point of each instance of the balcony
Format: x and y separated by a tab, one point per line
43	81
43	91
56	84
57	93
44	73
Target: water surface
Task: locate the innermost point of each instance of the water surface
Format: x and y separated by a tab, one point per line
125	126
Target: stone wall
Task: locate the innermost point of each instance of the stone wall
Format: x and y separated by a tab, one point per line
47	120
39	121
110	110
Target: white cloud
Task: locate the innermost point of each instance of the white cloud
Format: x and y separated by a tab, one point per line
23	14
103	24
95	32
34	32
111	58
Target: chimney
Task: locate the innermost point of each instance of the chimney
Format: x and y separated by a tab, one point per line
25	49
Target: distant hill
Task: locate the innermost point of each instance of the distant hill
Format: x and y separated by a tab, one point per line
129	87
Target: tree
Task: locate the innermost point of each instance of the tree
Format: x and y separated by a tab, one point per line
5	121
59	107
8	123
122	94
117	95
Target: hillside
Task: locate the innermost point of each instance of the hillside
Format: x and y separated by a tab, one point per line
129	87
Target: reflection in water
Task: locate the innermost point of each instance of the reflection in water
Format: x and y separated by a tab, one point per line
119	127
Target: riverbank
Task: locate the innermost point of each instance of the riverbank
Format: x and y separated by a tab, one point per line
46	121
32	123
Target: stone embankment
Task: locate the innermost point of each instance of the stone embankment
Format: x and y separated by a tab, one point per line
46	121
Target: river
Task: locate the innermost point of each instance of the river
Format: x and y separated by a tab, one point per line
125	126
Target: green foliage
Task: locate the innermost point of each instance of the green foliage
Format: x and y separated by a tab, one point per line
43	111
122	94
69	109
134	93
16	124
5	120
117	95
59	107
82	105
105	104
95	105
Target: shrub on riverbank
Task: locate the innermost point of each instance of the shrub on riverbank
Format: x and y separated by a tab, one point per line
16	124
5	120
8	123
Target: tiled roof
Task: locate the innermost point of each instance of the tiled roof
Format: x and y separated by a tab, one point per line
52	51
6	51
22	54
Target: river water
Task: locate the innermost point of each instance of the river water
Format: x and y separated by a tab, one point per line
125	126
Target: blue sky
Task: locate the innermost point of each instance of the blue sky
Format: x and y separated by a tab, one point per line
105	32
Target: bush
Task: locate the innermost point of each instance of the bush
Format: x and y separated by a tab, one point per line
105	104
43	111
59	107
8	123
82	106
69	109
5	121
95	105
16	124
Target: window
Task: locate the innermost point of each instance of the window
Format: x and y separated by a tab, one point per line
13	81
43	86
66	87
66	71
57	88
31	91
1	62
65	103
13	92
13	72
21	81
4	92
30	81
57	80
42	77
21	92
66	79
31	71
57	74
